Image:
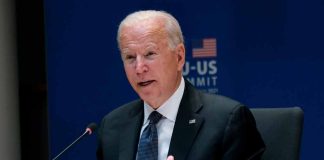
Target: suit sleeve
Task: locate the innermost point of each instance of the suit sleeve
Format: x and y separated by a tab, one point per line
242	141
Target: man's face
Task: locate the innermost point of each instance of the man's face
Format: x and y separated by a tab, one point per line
152	68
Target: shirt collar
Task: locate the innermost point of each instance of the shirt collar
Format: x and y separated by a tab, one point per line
169	109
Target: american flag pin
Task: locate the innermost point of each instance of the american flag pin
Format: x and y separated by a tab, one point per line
192	121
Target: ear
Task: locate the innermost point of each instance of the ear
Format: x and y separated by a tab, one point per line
180	51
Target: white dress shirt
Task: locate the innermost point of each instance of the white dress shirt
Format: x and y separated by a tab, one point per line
169	110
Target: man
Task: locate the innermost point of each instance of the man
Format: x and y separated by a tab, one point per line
191	125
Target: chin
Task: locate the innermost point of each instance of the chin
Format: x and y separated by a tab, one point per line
147	98
151	100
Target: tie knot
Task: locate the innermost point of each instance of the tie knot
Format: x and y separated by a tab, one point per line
154	117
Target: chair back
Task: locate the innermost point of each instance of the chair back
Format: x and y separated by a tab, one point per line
281	130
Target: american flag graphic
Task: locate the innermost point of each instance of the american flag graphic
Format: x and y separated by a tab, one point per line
208	48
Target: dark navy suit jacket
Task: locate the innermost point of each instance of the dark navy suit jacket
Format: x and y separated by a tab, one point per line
207	127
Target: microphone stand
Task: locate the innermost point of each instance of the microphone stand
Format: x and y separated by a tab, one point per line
69	146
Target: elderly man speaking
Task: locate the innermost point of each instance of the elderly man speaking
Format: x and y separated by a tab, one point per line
172	119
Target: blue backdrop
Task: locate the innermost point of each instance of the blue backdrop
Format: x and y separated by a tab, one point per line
269	54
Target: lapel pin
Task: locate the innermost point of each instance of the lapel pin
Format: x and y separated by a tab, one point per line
192	121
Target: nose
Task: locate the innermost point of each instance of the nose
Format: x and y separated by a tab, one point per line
140	65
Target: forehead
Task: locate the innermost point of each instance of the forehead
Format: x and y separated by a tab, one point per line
149	28
145	32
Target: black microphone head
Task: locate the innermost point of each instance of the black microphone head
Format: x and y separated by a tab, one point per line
91	128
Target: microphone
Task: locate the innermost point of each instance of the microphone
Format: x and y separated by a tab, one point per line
89	130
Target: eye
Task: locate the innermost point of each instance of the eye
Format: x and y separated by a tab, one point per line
129	57
150	54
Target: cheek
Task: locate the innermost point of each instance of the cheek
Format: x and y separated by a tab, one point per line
171	65
129	73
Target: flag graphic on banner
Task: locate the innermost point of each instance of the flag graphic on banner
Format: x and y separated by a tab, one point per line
208	48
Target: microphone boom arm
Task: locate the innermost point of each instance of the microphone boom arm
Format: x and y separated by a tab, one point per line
91	127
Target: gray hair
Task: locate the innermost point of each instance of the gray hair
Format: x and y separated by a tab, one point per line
172	26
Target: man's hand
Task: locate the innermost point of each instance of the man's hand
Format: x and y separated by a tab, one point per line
170	158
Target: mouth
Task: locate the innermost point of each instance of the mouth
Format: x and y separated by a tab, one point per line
145	83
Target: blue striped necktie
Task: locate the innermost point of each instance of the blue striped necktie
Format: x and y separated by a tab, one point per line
148	144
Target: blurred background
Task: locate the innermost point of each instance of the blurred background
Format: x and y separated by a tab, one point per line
60	68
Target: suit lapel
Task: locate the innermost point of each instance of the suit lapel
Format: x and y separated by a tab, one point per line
187	124
129	139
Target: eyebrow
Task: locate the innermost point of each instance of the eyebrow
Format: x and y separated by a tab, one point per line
151	46
124	51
